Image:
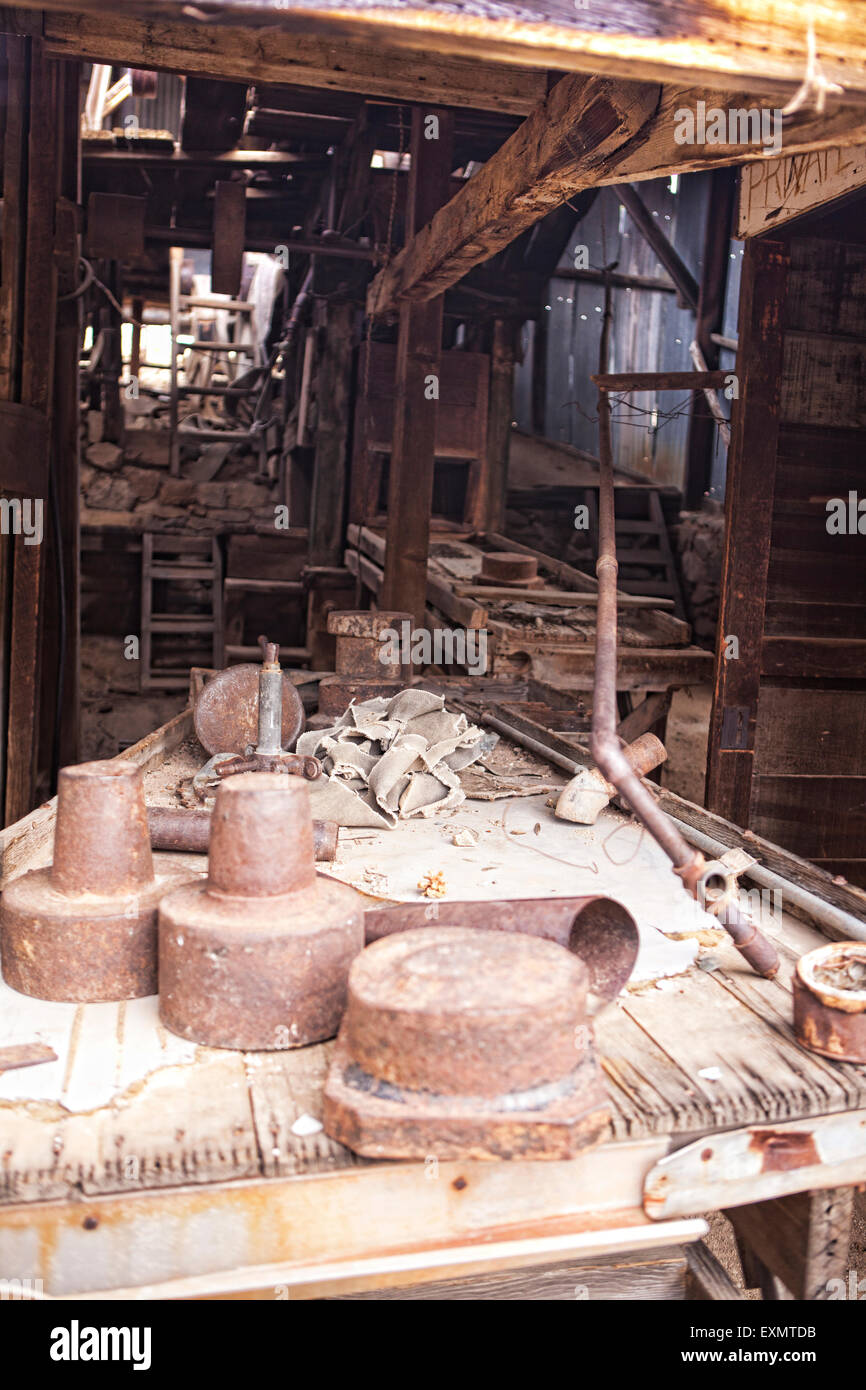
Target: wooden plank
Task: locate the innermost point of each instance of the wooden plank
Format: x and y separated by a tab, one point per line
758	1163
298	57
707	1280
773	192
660	381
820	817
748	500
811	731
713	43
419	344
815	658
557	598
587	132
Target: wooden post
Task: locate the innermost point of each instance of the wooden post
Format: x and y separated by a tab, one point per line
66	461
29	314
410	485
328	503
499	422
135	351
749	518
710	317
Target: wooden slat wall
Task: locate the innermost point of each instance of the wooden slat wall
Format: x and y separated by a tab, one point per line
809	774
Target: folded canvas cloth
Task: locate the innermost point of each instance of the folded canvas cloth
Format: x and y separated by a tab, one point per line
384	760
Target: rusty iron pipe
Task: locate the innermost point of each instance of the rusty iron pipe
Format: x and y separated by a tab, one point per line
688	863
188	831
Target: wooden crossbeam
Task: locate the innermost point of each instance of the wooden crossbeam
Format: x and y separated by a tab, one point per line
588	131
714	42
287	57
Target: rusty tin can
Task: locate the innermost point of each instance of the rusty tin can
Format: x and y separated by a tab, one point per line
84	930
829	987
257	956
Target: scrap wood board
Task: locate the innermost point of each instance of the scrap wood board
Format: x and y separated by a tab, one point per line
127	1107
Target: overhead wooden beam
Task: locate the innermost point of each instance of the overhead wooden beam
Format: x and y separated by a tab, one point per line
715	42
588	131
419	345
288	57
581	124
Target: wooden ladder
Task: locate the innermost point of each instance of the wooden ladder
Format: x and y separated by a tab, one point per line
175	559
218	355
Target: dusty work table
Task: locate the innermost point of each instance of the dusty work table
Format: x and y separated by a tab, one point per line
140	1161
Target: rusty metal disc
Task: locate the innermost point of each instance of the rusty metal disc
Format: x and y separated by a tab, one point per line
465	1043
462	1011
227	711
509	567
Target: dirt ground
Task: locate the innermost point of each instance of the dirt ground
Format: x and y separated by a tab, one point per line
115	714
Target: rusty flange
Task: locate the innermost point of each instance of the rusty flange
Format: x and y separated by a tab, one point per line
85	929
461	1042
227	711
829	987
257	956
510	567
366	664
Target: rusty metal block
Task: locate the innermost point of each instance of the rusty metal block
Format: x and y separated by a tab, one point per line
465	1043
85	929
364	666
227	711
257	957
829	987
510	567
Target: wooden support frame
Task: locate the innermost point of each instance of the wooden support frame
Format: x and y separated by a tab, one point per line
419	346
586	133
749	511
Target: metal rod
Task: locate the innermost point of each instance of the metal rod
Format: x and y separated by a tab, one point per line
605	744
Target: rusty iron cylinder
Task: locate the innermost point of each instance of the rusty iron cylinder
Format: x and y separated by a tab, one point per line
368	663
85	929
829	986
465	1043
187	830
257	957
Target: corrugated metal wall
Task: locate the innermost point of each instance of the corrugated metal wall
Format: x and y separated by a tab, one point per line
650	333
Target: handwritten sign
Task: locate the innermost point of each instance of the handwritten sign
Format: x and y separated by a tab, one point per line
772	191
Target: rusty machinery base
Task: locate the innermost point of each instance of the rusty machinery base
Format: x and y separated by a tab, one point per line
465	1043
258	975
83	950
376	1119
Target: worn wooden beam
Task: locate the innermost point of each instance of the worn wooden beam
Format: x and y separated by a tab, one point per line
564	145
802	1239
749	497
419	345
659	381
229	236
588	131
713	42
304	59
